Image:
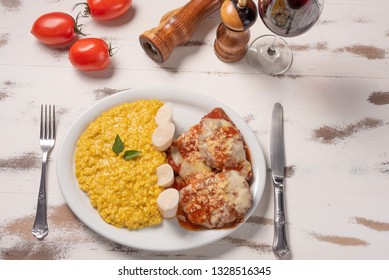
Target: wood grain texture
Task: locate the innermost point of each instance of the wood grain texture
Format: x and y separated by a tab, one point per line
176	27
336	109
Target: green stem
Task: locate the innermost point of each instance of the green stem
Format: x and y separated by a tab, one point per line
86	12
78	27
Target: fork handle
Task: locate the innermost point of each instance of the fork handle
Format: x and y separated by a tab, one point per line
40	228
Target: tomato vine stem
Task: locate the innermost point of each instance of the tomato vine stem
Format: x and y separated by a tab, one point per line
86	12
78	27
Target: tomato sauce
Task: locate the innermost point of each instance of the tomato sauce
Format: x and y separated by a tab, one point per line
188	225
171	162
187	144
218	113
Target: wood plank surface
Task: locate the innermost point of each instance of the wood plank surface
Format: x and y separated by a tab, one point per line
336	109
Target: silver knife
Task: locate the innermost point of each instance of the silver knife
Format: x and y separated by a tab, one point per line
277	158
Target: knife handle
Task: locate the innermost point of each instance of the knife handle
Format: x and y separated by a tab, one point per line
280	243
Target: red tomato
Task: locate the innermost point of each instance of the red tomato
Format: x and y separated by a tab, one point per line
55	28
106	9
90	54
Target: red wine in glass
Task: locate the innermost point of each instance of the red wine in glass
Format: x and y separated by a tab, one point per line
289	18
296	4
285	18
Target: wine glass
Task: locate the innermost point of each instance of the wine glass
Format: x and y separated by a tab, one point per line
287	18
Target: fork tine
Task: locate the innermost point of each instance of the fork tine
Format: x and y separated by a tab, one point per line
53	136
50	124
41	130
46	124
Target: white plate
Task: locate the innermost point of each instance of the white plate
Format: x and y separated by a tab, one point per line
189	108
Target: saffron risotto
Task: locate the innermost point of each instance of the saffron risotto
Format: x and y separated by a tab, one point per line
123	192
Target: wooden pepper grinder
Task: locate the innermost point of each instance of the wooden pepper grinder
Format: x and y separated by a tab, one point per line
233	33
176	28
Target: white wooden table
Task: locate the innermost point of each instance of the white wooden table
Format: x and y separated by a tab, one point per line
336	107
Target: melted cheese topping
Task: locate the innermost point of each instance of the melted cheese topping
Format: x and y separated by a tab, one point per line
221	146
210	159
186	155
220	199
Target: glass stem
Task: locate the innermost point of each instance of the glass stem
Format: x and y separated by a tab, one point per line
272	50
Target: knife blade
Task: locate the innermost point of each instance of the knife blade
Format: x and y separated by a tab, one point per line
277	159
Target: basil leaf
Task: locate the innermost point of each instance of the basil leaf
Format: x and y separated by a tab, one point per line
118	145
130	154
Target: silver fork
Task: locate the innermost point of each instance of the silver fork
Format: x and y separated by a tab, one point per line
46	141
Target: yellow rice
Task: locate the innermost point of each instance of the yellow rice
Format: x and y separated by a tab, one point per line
123	192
